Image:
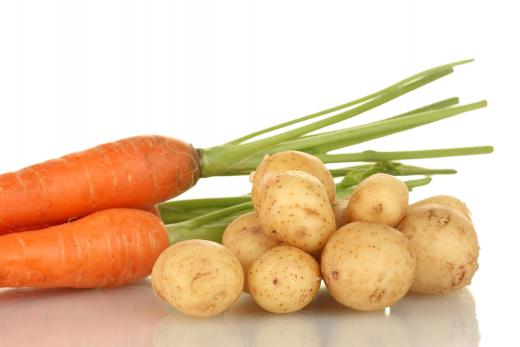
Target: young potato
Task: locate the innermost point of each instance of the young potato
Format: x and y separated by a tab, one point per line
445	200
296	211
380	198
340	211
284	279
248	245
239	224
199	278
446	247
291	161
368	266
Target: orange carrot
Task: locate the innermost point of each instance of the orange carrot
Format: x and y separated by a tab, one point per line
136	172
152	209
107	248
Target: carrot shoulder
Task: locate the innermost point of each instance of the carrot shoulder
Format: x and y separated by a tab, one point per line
105	249
135	172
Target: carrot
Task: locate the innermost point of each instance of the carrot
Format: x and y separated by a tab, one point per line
136	172
105	249
142	171
152	209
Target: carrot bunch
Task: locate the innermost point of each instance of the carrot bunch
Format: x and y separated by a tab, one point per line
87	208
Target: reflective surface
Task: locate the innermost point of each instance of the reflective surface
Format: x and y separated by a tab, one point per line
133	316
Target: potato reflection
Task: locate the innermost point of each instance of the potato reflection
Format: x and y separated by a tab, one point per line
440	320
178	329
133	316
124	316
287	330
351	328
417	320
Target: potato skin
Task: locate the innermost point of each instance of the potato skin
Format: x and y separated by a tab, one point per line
340	211
380	198
446	247
248	245
199	278
445	200
291	161
284	279
239	224
296	211
368	266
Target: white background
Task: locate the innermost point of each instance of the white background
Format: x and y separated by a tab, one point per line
74	74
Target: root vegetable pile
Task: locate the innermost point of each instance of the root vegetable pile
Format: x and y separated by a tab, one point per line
370	248
80	221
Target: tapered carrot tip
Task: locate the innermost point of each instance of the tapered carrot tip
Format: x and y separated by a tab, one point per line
107	248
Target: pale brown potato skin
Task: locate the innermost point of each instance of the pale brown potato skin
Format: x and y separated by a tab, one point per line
445	200
340	211
368	266
239	224
296	211
446	247
380	198
291	161
284	279
199	278
248	245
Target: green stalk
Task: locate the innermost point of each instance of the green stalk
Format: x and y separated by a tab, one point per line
368	156
411	184
202	227
247	165
379	93
403	170
374	156
216	160
181	210
328	141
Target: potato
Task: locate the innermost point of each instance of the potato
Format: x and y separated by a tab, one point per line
291	161
199	278
380	198
340	211
446	247
445	200
248	245
238	225
368	266
284	279
296	211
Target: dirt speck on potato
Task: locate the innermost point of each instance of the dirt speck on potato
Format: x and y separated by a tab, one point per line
377	265
446	247
380	198
199	278
284	279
